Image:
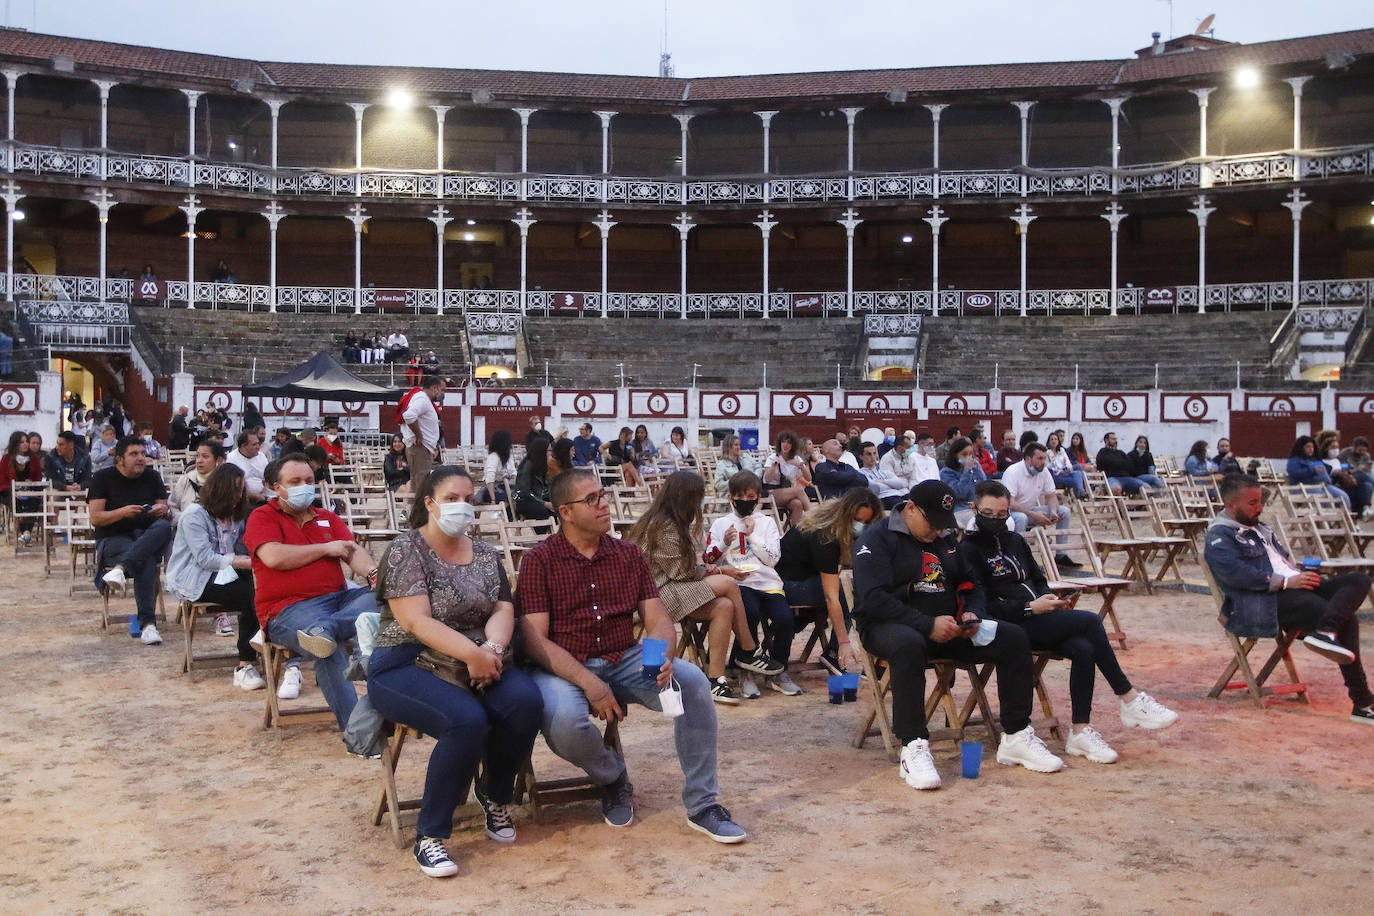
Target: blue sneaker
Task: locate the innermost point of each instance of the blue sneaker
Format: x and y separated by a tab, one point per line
715	822
618	802
135	630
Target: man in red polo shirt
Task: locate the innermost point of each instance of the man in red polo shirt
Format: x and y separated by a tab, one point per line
578	594
302	599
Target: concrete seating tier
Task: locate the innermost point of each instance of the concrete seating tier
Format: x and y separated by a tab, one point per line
1193	351
220	345
800	353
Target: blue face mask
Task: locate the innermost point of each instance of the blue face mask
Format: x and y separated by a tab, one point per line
297	498
858	527
1033	470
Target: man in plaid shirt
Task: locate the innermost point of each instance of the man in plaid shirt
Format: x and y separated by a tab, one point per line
577	596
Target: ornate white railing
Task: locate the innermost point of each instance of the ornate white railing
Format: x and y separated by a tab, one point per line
85	292
21	159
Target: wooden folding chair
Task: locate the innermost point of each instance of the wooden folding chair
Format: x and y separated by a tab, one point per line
544	792
389	802
1170	518
59	513
191	613
1107	513
1099	583
1252	682
818	618
693	640
1137	520
22	510
274	659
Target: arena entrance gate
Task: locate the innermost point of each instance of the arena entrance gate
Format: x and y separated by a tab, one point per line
1270	433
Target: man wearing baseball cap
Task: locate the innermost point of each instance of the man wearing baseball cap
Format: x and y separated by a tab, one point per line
915	599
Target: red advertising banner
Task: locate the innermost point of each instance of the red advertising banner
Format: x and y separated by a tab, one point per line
389	300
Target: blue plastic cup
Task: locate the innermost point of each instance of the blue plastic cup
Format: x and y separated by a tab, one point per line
851	687
653	652
835	683
1311	564
971	754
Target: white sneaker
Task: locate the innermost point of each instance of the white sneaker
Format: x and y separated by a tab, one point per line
150	636
916	767
223	625
259	641
748	688
1026	749
115	577
25	538
1146	712
247	678
1088	743
290	686
784	685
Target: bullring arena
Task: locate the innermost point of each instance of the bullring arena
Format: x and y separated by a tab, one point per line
1175	244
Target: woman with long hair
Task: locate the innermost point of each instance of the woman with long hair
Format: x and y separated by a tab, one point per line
1078	451
186	489
677	447
210	563
395	468
560	457
786	477
620	453
1197	466
1143	463
732	460
671	533
813	553
1061	465
962	473
447	601
19	463
1305	467
499	473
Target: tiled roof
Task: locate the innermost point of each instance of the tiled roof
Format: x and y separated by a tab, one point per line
206	70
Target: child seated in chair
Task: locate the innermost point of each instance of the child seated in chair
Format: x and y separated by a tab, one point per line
750	542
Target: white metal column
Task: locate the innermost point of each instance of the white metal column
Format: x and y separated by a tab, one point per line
440	219
850	116
1202	118
11	83
766	224
1023	219
935	111
684	226
1297	82
1025	109
935	219
358	109
1115	106
767	118
1114	216
439	112
683	120
192	209
604	223
274	107
357	215
274	214
524	219
1295	204
103	201
605	117
850	221
1201	211
11	198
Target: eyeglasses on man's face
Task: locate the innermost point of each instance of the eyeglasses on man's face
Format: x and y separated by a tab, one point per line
988	513
591	500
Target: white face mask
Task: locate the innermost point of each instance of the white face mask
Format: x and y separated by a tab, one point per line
1333	453
456	518
332	437
21	460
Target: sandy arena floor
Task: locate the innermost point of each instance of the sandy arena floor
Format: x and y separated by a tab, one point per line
128	787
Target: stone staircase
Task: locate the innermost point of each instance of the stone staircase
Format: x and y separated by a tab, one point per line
800	353
220	346
1193	351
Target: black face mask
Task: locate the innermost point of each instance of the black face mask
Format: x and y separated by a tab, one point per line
744	507
993	526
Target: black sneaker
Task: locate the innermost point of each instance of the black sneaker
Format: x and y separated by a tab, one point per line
1066	562
500	825
757	662
723	692
715	822
433	857
1365	715
1325	644
831	662
618	802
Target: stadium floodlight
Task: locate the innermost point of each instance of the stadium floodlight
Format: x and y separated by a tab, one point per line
1246	78
472	222
400	98
907	240
17	216
469	236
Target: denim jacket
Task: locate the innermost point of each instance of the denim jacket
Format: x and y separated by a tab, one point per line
1248	583
196	556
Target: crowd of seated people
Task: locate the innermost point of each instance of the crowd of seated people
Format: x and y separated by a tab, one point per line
941	571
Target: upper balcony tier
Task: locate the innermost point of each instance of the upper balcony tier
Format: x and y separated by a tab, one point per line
1174	121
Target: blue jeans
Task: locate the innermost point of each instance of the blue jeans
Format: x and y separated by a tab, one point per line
782	622
574	736
139	553
1080	488
335	613
1365	493
1129	485
811	593
504	718
1151	481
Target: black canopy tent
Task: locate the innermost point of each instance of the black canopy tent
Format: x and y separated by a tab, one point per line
321	378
